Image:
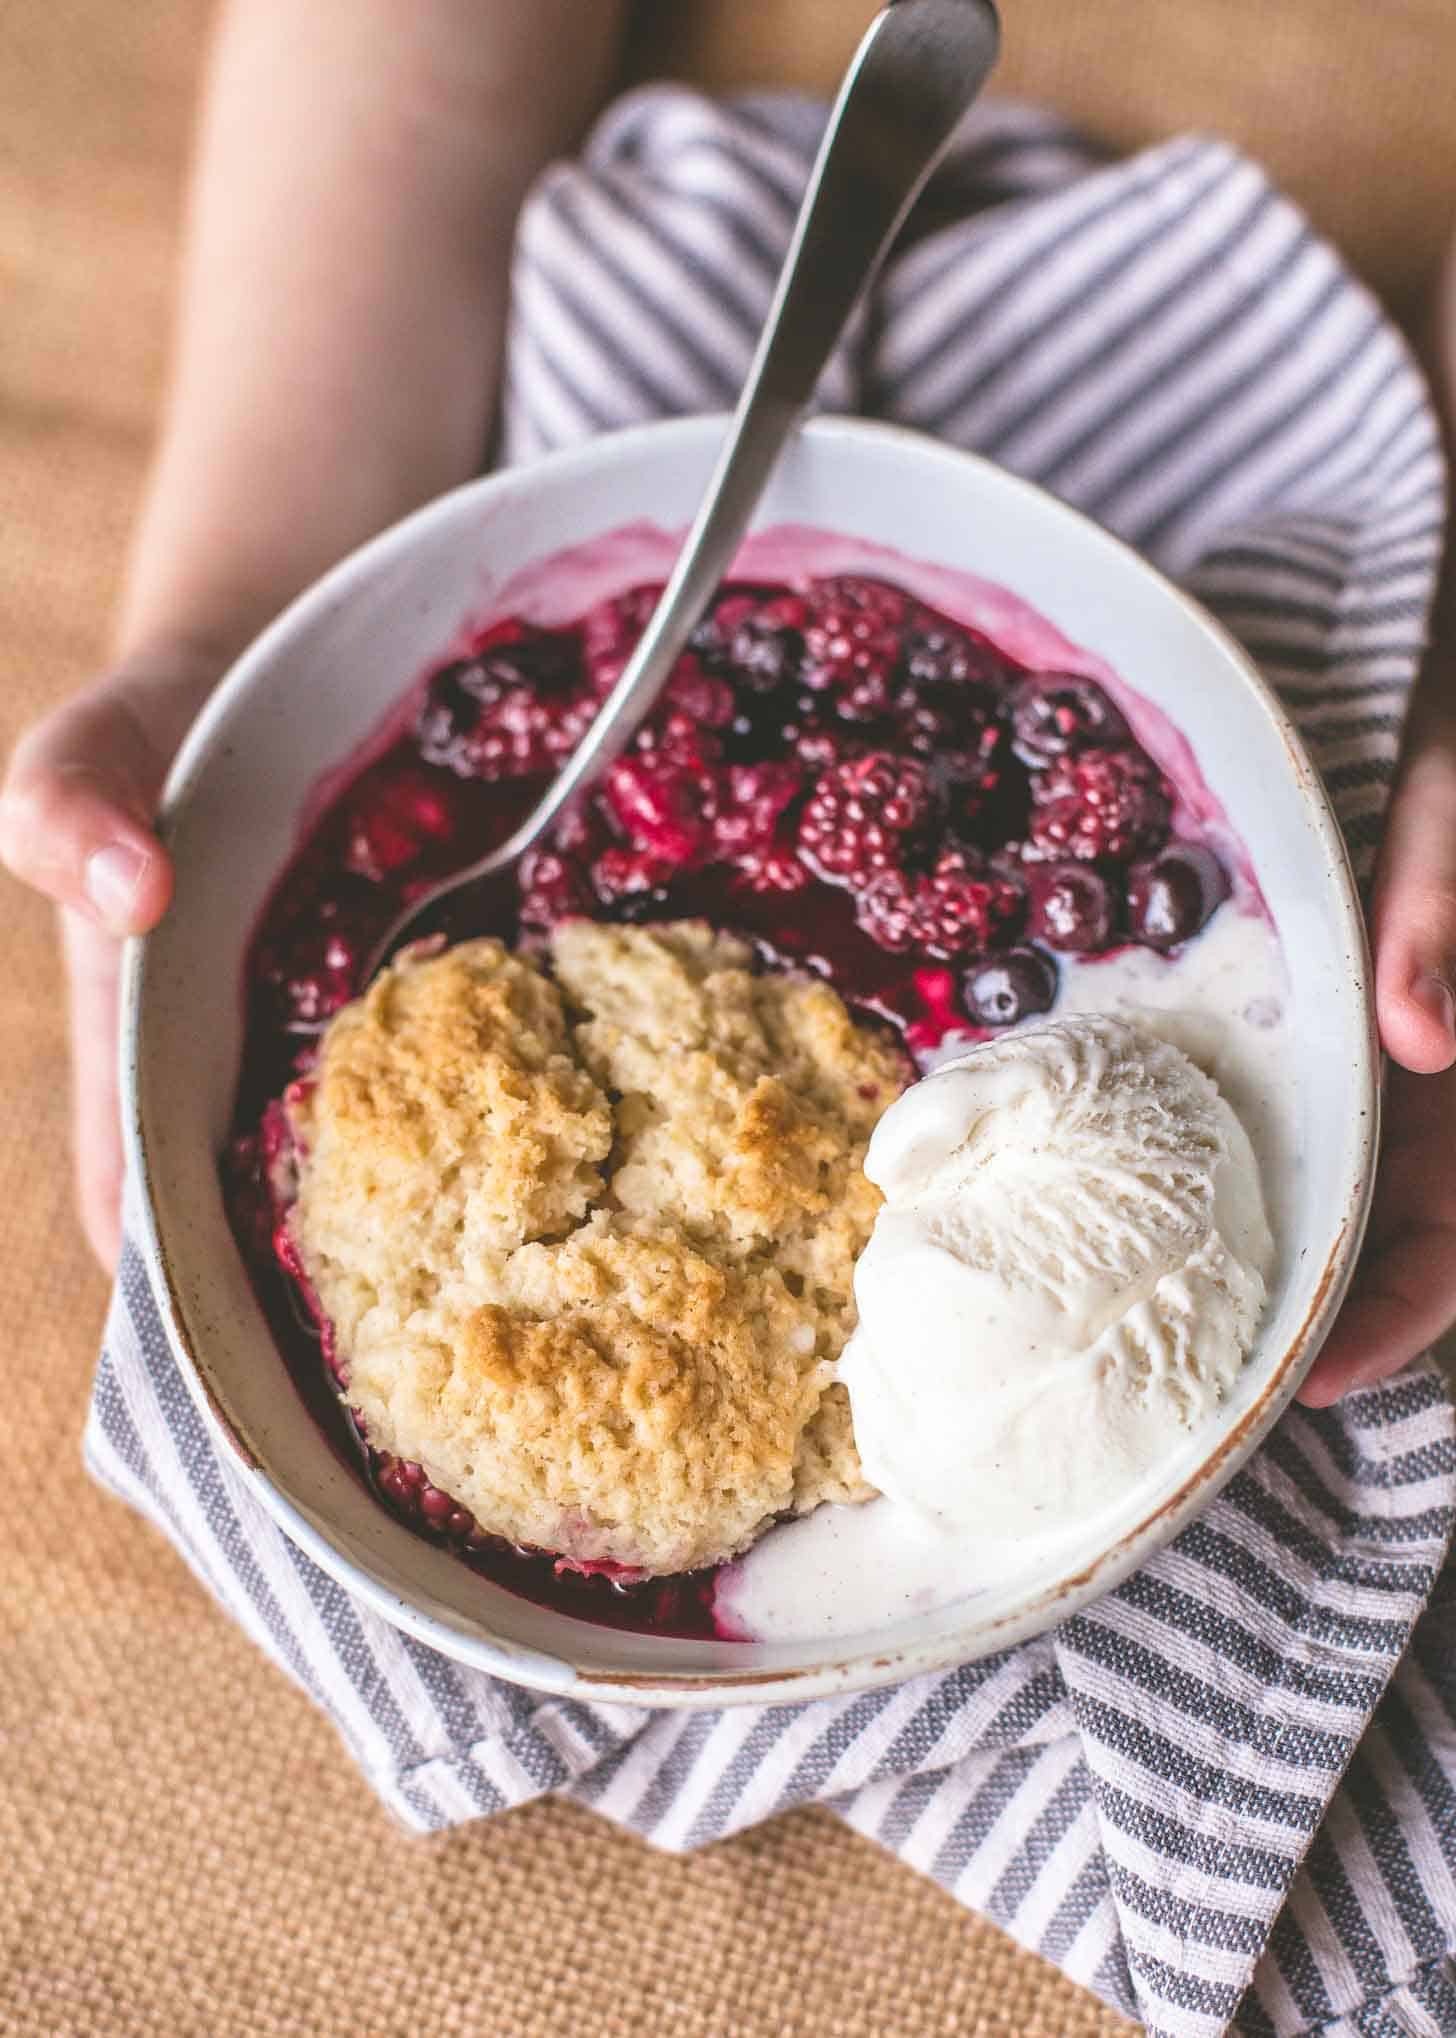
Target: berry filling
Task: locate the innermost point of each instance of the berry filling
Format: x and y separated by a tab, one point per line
853	782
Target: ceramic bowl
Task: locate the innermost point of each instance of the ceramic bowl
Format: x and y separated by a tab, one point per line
319	681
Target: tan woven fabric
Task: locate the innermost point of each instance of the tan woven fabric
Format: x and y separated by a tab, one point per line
1348	105
186	1849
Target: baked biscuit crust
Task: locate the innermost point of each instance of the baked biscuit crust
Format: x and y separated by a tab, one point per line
587	1239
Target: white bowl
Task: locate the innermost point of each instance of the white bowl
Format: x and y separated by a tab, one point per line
316	685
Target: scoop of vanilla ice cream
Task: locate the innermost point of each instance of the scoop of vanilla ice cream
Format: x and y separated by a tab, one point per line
1065	1277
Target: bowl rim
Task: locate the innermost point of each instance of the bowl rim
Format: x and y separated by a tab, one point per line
863	1667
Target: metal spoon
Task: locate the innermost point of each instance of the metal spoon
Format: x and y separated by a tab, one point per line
918	68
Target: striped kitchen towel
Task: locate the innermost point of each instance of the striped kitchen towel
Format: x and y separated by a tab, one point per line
1223	1797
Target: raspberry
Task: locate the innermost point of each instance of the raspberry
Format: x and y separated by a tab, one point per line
701	696
395	821
852	643
310	970
513	710
1053	714
755	798
663	808
862	815
965	905
773	867
631	878
378	844
1098	806
609	635
959	909
680	740
887	910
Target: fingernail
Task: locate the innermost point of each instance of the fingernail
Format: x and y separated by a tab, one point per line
113	880
1433	995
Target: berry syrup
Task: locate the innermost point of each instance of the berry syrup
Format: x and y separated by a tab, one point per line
838	773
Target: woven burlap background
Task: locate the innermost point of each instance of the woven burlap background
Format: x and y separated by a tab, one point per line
184	1848
1348	104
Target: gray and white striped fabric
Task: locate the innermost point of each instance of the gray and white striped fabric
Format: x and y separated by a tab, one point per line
1223	1797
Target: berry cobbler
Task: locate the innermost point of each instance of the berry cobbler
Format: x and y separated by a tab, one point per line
564	1215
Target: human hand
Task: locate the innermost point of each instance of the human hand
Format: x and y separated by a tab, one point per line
1404	1295
76	812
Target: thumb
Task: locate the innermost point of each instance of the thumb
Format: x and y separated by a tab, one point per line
1415	908
77	801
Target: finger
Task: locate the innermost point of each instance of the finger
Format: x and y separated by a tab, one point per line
75	813
93	963
1403	1300
1415	910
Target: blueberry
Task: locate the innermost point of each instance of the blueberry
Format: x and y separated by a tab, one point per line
1003	989
1173	895
1072	908
1053	713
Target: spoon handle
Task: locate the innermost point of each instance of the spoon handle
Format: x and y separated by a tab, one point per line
918	68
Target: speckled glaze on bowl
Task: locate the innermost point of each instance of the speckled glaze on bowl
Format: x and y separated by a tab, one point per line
316	684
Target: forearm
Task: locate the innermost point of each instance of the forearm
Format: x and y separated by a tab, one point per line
359	169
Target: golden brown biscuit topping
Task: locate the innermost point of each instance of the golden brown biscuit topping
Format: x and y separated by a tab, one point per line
587	1241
